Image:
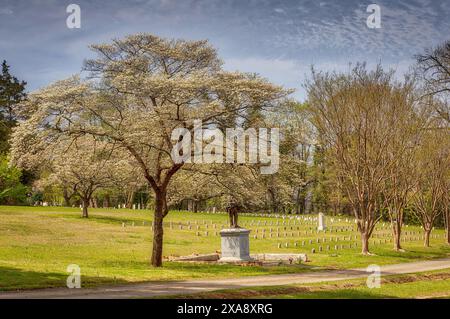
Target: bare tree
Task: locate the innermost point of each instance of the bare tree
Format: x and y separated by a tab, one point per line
431	173
434	68
446	208
350	111
406	123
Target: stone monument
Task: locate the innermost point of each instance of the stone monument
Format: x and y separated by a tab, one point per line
235	245
321	220
234	240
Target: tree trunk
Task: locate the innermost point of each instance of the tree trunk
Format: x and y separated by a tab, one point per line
66	197
397	242
447	225
85	204
273	203
448	235
427	237
106	201
364	243
297	202
94	202
158	230
130	199
397	231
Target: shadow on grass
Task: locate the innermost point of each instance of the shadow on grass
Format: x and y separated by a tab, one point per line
414	254
113	220
224	269
201	270
18	279
281	292
338	294
118	220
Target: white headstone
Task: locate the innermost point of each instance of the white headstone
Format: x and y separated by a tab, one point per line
321	225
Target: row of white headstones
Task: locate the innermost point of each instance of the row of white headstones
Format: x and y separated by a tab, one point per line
298	220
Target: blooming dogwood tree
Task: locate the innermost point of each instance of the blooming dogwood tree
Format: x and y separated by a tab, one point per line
82	165
139	90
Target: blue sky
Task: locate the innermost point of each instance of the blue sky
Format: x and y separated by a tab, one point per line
278	39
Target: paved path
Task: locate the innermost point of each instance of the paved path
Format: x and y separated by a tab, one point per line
151	289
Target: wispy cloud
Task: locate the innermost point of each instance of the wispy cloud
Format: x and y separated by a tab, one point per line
279	39
6	11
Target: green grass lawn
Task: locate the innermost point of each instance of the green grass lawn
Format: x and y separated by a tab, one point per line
434	284
38	243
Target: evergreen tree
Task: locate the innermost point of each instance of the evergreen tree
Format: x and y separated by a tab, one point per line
12	91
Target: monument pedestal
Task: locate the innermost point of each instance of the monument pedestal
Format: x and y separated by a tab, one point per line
235	245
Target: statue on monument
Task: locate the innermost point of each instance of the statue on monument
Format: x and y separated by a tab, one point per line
233	210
